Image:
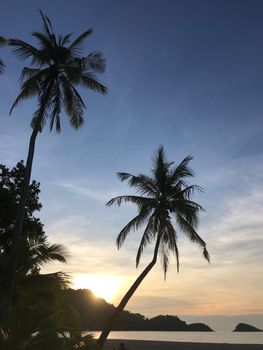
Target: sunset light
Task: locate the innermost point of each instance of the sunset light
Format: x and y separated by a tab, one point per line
102	286
131	175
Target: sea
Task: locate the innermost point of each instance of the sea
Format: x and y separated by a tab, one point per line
195	337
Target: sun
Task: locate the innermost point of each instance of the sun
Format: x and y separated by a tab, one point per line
103	286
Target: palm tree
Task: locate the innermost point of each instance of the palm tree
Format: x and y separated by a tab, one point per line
2	43
56	69
164	201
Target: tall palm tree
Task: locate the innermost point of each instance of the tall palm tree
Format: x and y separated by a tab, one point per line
56	69
163	202
2	43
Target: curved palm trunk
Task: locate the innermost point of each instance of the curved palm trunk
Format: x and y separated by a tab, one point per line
14	249
106	331
20	214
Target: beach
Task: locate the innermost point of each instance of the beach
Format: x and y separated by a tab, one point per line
168	345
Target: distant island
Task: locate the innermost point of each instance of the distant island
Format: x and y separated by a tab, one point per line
243	327
94	312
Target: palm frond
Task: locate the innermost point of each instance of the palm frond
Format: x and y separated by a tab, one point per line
72	72
160	169
44	104
73	103
23	50
187	204
143	183
134	224
39	117
64	39
36	251
76	121
187	209
2	41
123	176
190	232
206	254
44	41
27	91
78	106
47	26
59	280
68	95
187	192
89	81
33	86
182	170
188	228
2	66
172	241
78	97
53	252
80	39
139	201
55	114
147	237
94	61
28	73
164	257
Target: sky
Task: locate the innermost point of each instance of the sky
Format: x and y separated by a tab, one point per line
187	75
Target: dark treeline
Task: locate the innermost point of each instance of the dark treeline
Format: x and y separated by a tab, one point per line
94	312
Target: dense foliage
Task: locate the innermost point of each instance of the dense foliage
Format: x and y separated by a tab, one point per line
41	316
35	249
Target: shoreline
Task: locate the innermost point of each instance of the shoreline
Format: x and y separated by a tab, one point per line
170	345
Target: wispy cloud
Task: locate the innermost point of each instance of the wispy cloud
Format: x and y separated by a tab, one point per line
84	191
83	188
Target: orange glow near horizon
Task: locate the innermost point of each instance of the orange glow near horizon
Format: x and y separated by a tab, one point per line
103	286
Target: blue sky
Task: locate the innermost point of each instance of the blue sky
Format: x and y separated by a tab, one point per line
185	74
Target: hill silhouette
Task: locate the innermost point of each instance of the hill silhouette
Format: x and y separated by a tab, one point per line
94	312
244	327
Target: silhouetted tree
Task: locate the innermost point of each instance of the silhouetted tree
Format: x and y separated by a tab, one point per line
163	201
2	43
41	316
56	69
35	250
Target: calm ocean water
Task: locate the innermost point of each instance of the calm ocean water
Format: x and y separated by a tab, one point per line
196	337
